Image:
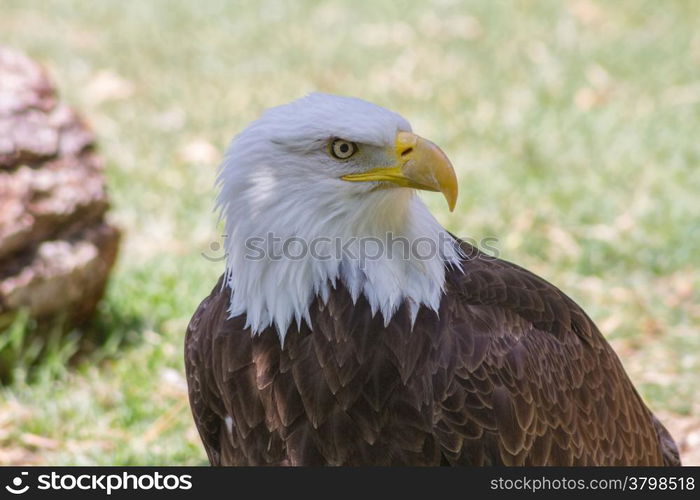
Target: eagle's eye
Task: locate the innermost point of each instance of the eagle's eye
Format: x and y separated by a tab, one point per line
343	149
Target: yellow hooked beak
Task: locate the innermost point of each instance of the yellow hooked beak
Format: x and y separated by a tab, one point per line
420	164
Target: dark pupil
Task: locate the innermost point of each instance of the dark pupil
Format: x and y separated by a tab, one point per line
344	148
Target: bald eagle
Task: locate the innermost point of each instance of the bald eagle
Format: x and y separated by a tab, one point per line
317	348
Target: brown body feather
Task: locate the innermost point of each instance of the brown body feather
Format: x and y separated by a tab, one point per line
509	372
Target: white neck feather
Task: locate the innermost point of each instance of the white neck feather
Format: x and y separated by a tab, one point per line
276	289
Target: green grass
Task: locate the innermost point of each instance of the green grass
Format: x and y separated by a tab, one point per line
574	127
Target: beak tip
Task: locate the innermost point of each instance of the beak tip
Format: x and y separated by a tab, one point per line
451	202
450	190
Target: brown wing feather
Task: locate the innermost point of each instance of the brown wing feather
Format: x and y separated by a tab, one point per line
204	399
509	371
551	391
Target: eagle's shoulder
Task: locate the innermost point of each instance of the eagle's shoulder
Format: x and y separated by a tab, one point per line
531	380
201	379
487	281
228	374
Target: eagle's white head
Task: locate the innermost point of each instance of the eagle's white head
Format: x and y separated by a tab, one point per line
321	191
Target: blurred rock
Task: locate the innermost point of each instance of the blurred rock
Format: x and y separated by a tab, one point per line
56	248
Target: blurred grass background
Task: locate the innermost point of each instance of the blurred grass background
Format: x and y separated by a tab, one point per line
574	127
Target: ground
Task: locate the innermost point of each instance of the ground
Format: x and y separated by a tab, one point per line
573	127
